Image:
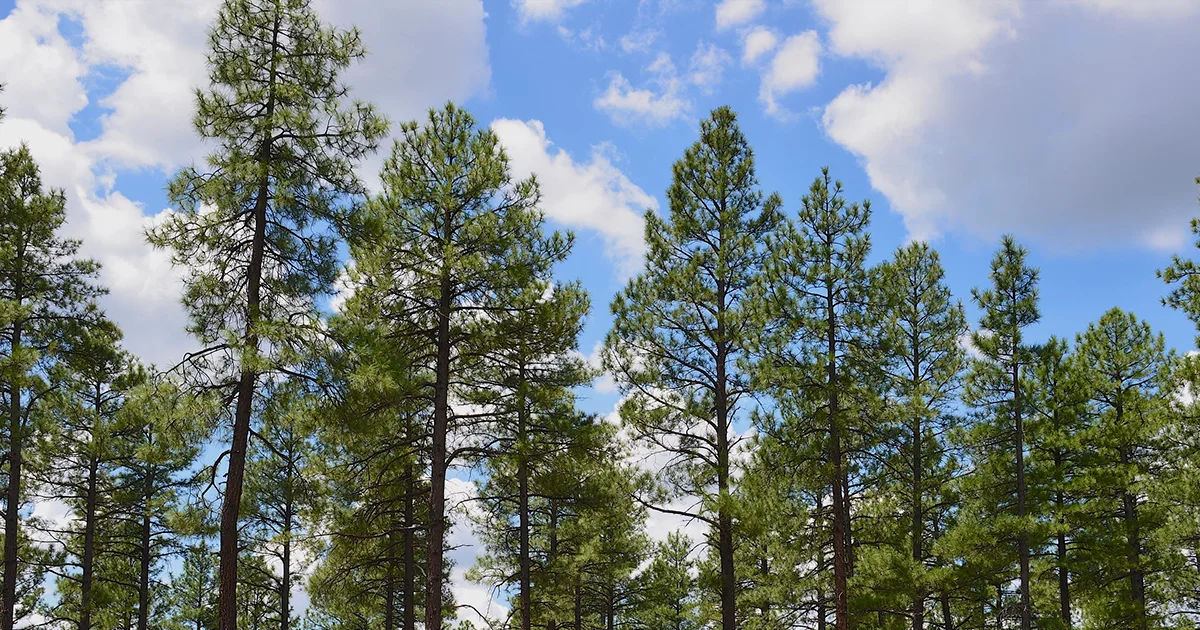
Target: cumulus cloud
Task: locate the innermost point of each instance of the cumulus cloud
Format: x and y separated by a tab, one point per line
154	51
593	195
757	42
732	13
1140	9
639	40
796	65
543	10
987	120
661	102
707	66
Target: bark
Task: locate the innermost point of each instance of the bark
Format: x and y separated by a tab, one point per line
523	505
144	551
389	587
918	528
1137	577
437	460
13	504
840	524
410	561
724	518
1022	510
230	508
88	561
1064	577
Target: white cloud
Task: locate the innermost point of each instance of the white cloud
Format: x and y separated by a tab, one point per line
544	10
639	40
988	121
757	42
1140	9
732	13
594	195
588	38
796	65
707	66
475	601
628	106
420	54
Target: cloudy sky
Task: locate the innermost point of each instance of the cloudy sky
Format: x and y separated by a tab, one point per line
1069	123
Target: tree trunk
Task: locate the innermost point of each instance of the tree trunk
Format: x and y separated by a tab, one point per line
144	551
918	526
231	506
12	520
88	560
1137	577
1022	511
523	503
947	617
437	461
285	582
724	518
837	483
389	587
822	566
1064	577
410	559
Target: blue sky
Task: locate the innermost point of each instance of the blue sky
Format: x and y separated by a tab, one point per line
1069	123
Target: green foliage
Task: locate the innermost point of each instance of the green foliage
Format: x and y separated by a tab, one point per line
1123	555
683	328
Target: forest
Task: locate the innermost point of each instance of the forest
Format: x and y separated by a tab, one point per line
856	452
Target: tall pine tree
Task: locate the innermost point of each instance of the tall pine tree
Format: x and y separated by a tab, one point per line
450	248
254	229
46	295
683	327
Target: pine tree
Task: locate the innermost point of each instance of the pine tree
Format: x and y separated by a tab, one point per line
82	455
529	386
818	286
45	296
1124	363
995	386
254	230
374	447
449	249
193	595
1056	404
281	492
667	588
164	430
922	328
683	327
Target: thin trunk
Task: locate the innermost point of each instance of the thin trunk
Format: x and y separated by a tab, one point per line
947	617
1023	537
822	566
11	517
578	605
144	551
918	527
230	508
523	502
724	518
285	582
88	560
410	554
1064	577
437	458
1137	578
840	525
389	587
